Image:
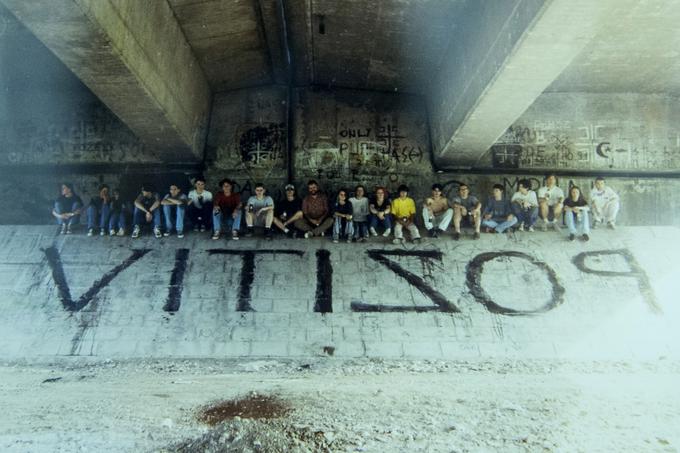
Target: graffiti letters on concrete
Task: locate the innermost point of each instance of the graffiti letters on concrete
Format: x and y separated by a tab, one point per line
538	289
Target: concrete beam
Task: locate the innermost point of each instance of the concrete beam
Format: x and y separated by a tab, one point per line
518	66
133	55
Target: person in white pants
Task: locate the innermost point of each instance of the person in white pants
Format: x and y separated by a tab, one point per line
437	213
604	204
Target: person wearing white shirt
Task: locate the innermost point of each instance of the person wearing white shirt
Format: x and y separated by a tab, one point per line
200	206
525	205
604	203
550	202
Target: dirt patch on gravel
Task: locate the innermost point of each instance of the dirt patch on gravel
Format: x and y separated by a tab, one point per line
253	406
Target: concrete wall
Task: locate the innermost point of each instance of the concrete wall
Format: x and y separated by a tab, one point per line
612	132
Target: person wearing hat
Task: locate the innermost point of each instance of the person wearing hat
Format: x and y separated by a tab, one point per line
404	212
287	211
437	213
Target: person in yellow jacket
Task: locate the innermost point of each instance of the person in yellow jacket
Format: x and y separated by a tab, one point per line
404	211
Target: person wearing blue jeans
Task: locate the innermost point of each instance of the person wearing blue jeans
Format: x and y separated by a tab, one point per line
525	205
226	210
343	227
498	215
576	214
67	209
174	203
99	211
147	210
117	223
380	208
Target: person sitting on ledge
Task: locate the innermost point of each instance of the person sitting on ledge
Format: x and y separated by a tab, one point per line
343	226
380	208
498	215
360	213
118	212
226	210
525	205
576	214
200	206
466	209
147	209
260	211
437	214
315	220
98	211
605	204
404	213
550	203
67	209
288	211
174	203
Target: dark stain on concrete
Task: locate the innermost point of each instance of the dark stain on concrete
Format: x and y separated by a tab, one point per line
636	271
474	272
324	282
177	281
54	260
441	302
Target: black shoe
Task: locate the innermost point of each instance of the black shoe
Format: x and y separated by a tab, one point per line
268	234
572	237
456	235
585	237
475	236
435	233
249	232
431	233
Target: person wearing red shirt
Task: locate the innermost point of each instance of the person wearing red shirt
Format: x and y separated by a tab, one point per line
226	210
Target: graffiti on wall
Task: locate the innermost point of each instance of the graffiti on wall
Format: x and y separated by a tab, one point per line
576	145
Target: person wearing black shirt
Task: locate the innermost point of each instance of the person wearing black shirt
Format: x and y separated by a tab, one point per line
98	211
287	211
342	215
576	214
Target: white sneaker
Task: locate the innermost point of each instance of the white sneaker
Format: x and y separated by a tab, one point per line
396	241
157	232
90	232
216	235
373	232
556	225
112	232
308	234
521	227
611	225
102	232
180	234
387	232
121	232
531	229
135	231
166	234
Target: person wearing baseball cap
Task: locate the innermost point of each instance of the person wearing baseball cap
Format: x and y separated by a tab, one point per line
287	211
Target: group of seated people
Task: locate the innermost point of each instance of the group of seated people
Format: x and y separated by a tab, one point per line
350	216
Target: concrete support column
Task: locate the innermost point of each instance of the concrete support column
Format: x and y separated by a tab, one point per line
133	55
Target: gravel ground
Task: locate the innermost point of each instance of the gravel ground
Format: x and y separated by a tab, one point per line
341	405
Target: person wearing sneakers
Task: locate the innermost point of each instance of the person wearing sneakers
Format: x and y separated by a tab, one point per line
343	226
226	210
466	209
174	203
99	211
550	203
576	214
199	209
498	215
260	211
437	214
604	203
315	220
147	211
404	213
360	213
118	212
287	211
67	209
380	208
525	205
